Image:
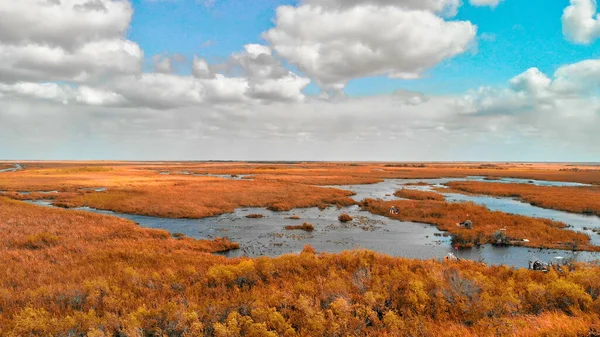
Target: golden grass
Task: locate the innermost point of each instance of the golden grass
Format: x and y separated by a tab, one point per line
95	275
188	199
418	195
345	218
541	233
307	227
571	199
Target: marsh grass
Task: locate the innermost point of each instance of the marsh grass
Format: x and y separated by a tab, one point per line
307	227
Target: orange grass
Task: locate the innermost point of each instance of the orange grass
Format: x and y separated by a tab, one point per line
352	173
542	233
131	190
571	199
307	227
189	199
95	275
345	218
418	195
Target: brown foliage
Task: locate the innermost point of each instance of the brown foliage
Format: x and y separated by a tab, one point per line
103	276
418	195
571	199
345	218
255	216
542	233
307	227
209	198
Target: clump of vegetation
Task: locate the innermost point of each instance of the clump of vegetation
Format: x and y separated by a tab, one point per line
307	227
418	195
106	276
540	232
255	216
39	241
85	169
294	217
345	218
500	238
584	200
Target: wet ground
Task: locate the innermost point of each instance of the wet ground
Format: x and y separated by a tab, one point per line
578	222
267	236
12	169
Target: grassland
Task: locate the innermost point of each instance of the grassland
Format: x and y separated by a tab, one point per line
189	192
418	195
138	191
584	200
541	233
69	273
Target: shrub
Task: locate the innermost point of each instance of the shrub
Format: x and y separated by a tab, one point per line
178	235
345	218
307	227
255	216
500	238
39	241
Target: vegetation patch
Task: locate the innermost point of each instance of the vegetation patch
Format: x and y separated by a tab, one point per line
345	218
540	233
585	200
38	241
418	195
307	227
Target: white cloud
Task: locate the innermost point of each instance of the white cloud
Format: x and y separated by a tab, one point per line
581	23
347	129
490	3
531	81
36	62
74	82
42	91
578	78
444	7
200	68
68	40
162	64
334	45
98	97
67	24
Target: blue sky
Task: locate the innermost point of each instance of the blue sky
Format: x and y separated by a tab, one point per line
513	37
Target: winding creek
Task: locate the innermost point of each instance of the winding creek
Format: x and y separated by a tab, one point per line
12	169
267	236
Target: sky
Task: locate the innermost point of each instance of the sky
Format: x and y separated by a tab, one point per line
333	80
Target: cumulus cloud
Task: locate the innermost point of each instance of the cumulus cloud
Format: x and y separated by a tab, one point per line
68	40
534	91
200	68
580	21
434	129
532	81
74	82
446	7
490	3
334	42
67	23
36	62
81	44
578	78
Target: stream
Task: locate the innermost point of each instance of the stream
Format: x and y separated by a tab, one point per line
267	236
